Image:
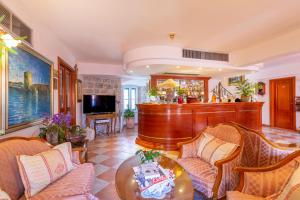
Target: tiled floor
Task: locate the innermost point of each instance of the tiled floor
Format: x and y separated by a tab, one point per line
282	137
108	152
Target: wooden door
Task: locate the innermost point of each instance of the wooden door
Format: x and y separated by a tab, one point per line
282	95
67	77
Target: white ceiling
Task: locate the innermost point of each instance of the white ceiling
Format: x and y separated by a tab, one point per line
103	30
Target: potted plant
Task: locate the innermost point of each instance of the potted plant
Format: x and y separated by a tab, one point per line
153	94
129	117
55	128
147	156
246	90
180	92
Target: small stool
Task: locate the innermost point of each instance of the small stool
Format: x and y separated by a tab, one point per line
101	123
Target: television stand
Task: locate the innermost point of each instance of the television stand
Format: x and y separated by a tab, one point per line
112	117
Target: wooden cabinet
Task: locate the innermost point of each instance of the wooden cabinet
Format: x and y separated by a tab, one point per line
163	126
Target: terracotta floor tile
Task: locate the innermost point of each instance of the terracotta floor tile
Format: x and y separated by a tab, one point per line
108	193
112	162
108	176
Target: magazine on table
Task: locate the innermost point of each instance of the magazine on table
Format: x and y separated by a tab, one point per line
154	181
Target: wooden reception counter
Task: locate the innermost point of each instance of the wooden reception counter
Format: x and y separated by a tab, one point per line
162	126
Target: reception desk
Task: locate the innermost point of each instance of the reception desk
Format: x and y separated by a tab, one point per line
162	126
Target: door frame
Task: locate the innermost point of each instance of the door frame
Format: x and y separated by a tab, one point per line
272	100
61	62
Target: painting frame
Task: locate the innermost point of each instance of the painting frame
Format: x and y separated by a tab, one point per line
5	60
79	90
235	80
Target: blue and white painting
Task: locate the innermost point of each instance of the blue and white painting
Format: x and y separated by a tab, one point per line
29	88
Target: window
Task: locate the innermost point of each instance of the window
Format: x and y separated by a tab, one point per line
130	98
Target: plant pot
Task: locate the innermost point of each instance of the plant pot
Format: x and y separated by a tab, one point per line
180	99
246	98
130	122
52	138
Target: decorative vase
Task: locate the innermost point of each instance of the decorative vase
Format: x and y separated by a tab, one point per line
52	138
245	98
180	99
153	99
130	122
170	95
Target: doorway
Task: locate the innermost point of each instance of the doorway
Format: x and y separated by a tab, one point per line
282	96
67	77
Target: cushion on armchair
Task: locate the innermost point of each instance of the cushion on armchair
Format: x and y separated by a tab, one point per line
212	149
292	189
40	170
203	174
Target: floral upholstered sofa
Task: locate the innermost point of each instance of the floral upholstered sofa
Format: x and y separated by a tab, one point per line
74	185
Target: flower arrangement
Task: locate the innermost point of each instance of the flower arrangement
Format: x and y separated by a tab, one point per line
147	156
168	84
54	129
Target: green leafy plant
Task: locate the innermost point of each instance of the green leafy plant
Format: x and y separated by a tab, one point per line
181	91
147	156
128	114
153	92
76	130
53	128
246	89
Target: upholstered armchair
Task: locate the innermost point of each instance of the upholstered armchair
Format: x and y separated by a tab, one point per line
213	180
270	182
259	151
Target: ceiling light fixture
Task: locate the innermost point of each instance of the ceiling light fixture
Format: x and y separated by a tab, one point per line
147	66
10	41
172	35
130	71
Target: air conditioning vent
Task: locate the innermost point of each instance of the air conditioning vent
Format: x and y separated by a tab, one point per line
187	53
14	25
20	29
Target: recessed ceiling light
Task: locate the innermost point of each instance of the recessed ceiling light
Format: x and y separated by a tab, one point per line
147	66
220	69
178	67
130	71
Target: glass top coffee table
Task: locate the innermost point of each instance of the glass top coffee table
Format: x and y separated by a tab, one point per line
128	189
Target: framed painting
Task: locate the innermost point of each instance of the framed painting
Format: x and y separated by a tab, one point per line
79	90
29	87
233	81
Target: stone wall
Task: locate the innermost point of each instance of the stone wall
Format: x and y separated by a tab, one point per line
102	85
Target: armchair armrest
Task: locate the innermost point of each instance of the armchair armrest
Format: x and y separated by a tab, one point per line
227	179
278	174
188	148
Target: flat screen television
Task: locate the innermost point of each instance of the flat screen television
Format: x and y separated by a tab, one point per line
99	104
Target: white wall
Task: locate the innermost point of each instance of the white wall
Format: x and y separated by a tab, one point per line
265	75
44	42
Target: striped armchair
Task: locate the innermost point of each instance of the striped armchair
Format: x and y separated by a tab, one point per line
267	183
213	180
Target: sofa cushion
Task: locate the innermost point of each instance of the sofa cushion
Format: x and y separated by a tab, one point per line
203	174
40	170
10	180
212	149
79	181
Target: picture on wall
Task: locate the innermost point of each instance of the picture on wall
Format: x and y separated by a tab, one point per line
29	95
232	81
